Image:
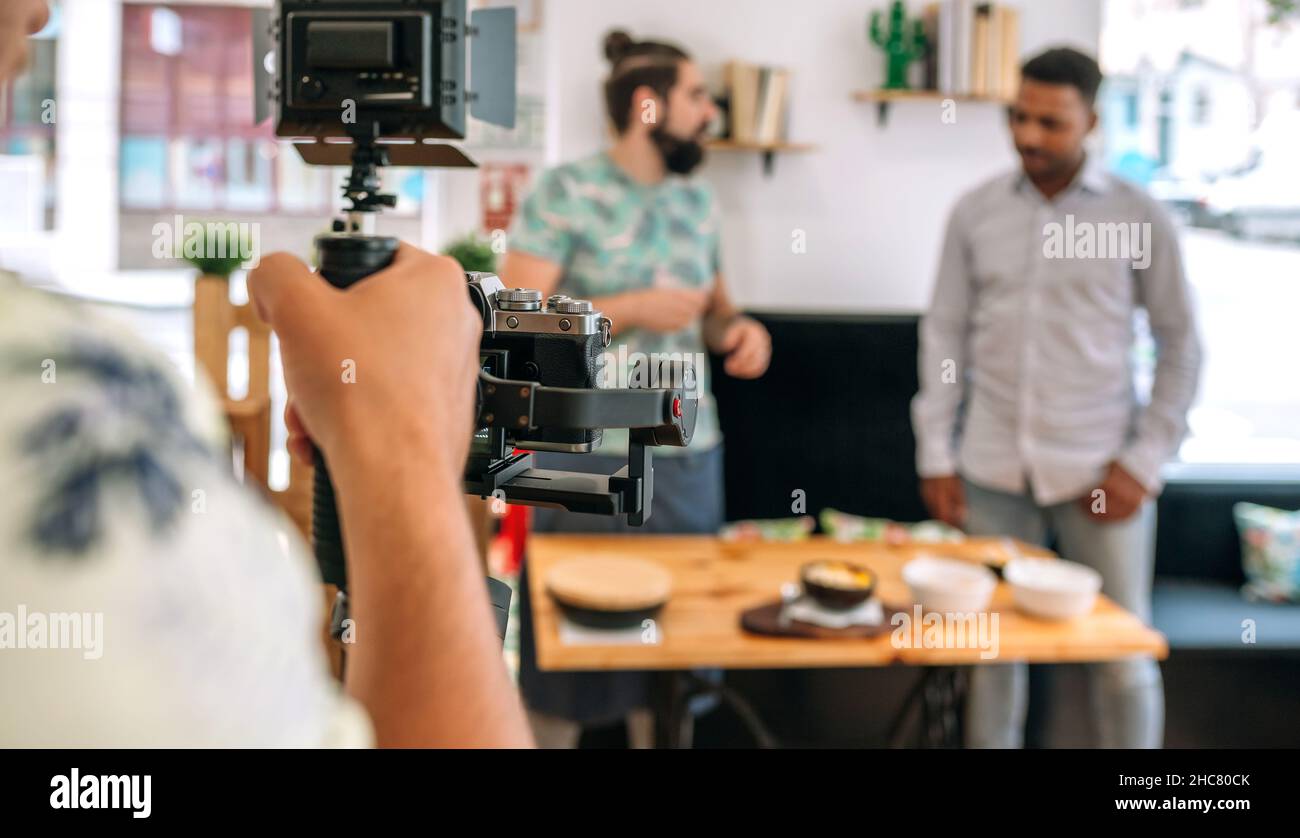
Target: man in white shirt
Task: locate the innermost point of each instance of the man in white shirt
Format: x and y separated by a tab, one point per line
1027	422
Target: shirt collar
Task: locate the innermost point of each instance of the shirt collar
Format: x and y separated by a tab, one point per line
1092	177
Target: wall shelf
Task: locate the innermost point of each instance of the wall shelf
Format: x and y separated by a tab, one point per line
768	150
883	99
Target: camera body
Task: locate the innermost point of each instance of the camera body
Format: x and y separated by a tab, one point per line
555	342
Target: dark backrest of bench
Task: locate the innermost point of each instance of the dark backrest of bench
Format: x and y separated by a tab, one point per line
831	417
1196	536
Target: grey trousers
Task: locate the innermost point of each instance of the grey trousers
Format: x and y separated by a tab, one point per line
1127	696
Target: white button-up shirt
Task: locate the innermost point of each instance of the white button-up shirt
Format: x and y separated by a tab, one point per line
1025	362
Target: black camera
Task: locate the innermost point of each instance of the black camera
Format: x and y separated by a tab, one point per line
556	342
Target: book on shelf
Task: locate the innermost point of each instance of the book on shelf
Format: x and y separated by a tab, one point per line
979	52
930	61
759	98
974	48
1009	79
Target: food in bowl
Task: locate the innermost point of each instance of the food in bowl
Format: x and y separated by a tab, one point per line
837	584
1053	589
949	585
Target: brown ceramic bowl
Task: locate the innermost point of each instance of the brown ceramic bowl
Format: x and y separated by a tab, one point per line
837	584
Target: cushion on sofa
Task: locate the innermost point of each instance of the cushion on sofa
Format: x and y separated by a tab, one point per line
1270	551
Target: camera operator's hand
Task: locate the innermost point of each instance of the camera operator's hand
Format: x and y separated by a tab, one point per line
381	376
19	19
393	358
945	498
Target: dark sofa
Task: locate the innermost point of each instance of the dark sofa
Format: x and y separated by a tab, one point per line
1197	601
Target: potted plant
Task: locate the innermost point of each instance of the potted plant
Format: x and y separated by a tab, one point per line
216	250
473	252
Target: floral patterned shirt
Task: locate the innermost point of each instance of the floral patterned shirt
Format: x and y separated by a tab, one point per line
612	234
146	599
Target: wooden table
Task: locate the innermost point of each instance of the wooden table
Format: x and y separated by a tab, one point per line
713	582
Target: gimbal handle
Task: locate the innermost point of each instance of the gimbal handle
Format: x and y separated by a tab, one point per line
668	413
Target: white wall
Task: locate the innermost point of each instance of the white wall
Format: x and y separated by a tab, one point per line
871	200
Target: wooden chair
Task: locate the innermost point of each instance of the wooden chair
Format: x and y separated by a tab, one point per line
215	316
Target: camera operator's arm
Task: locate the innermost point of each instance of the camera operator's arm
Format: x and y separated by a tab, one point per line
742	339
426	663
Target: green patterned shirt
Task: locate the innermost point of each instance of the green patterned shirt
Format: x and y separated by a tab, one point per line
611	234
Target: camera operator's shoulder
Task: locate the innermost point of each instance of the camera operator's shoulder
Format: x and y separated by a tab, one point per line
56	345
118	499
90	414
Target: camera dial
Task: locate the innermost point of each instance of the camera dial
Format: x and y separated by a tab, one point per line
519	299
568	306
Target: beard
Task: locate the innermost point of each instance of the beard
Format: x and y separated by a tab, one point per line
680	157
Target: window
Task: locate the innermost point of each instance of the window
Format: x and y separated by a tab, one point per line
1201	107
188	137
1219	151
1131	110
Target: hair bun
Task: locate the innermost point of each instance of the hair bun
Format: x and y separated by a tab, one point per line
617	45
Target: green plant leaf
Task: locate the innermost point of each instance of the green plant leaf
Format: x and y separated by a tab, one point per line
473	252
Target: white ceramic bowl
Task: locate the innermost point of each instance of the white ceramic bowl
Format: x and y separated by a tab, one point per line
1053	589
949	585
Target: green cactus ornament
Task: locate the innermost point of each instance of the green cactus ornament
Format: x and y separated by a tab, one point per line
903	44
